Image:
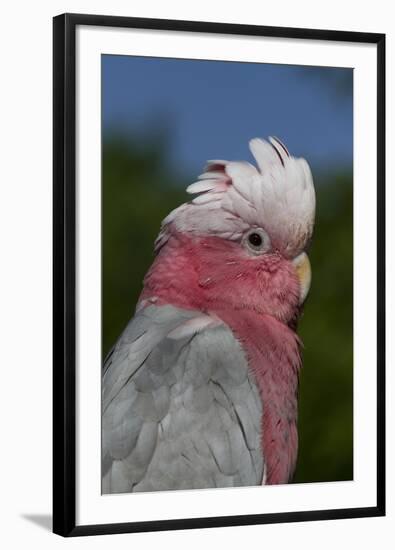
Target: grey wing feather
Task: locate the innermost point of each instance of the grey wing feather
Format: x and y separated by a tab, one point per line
178	413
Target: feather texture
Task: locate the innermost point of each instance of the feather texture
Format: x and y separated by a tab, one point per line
235	196
180	407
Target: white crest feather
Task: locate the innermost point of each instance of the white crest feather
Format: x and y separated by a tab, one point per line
232	197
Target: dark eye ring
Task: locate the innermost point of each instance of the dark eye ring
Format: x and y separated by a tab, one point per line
257	241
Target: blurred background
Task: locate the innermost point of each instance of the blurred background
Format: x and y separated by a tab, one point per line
162	119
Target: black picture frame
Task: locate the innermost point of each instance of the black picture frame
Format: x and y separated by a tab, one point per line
64	272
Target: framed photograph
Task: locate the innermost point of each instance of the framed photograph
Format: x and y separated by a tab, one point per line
218	275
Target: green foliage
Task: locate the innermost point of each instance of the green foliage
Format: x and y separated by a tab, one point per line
139	190
326	329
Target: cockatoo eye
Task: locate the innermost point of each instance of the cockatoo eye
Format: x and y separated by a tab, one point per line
257	241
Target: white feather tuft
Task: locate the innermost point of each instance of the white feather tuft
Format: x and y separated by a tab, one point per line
201	186
235	196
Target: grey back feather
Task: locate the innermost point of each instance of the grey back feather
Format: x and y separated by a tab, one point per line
178	413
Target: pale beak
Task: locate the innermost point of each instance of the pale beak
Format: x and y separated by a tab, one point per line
303	270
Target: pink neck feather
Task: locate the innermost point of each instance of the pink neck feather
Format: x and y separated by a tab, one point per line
271	346
273	353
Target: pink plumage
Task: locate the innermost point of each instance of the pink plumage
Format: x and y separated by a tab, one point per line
258	300
235	257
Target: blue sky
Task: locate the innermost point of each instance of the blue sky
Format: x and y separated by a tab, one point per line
212	108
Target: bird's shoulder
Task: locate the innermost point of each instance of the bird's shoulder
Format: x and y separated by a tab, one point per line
179	405
152	327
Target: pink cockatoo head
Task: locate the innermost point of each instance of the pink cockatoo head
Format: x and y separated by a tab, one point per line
240	243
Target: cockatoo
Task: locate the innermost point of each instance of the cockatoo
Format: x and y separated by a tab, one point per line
201	388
